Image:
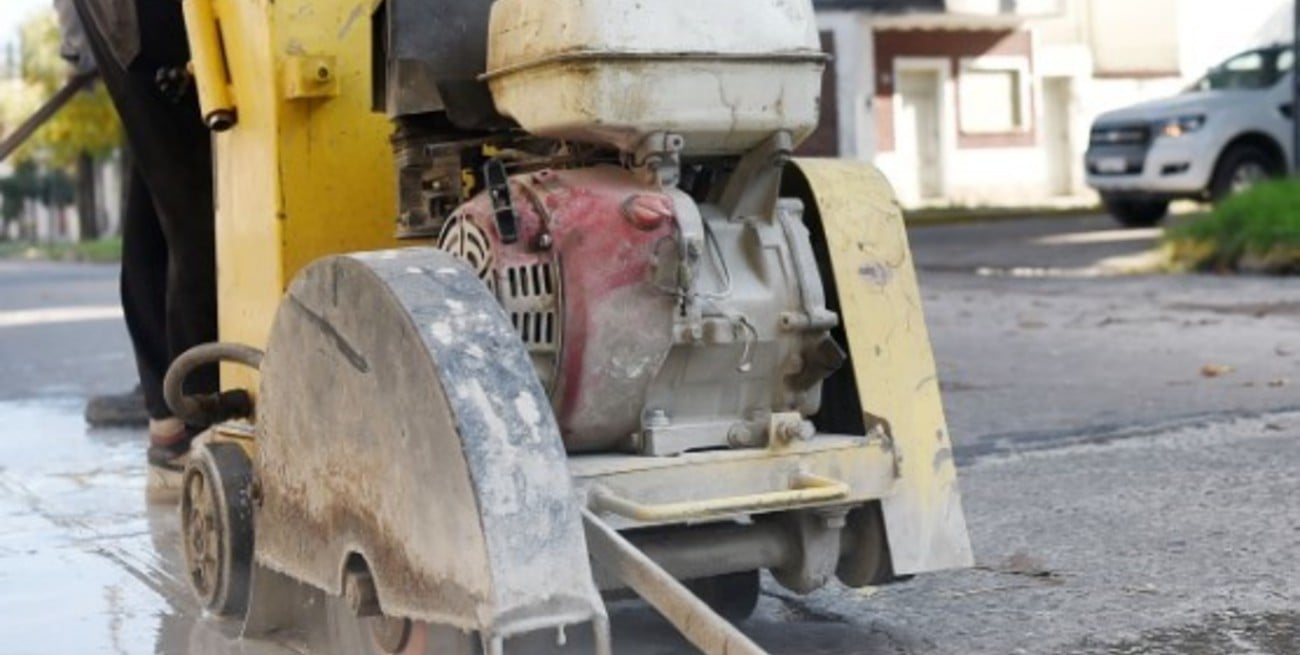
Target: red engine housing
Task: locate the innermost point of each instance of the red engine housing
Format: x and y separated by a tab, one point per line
579	286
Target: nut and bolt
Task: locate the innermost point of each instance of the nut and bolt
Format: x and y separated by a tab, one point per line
657	418
795	431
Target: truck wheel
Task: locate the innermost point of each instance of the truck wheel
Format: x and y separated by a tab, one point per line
1136	212
1240	168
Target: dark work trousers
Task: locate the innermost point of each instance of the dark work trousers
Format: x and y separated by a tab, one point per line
169	290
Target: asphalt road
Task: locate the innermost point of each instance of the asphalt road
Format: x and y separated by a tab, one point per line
1036	343
1120	500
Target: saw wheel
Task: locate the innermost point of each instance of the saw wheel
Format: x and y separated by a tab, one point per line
392	378
217	526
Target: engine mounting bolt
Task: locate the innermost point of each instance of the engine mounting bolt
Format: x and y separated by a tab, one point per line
800	431
657	418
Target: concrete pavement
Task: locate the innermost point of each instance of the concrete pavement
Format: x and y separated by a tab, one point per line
1119	501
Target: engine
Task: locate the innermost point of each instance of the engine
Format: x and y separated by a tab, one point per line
657	324
627	212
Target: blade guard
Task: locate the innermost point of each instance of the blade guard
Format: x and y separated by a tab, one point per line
897	387
400	422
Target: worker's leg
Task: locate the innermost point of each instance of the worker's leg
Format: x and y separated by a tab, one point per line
172	152
144	291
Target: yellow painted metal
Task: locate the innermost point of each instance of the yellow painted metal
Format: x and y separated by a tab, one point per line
806	489
303	174
207	63
310	77
892	360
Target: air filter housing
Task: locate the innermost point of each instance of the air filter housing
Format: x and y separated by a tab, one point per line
614	71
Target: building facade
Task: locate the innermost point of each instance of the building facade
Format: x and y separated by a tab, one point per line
989	102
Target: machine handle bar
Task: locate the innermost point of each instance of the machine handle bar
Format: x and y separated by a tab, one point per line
804	488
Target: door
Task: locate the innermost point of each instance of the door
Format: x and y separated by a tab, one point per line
916	132
1056	136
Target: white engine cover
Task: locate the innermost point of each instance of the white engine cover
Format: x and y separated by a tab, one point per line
615	71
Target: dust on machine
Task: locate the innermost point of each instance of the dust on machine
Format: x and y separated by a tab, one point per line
622	342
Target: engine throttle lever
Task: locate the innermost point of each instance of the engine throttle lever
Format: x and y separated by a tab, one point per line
498	188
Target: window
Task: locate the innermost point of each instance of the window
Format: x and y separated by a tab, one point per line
993	95
1257	69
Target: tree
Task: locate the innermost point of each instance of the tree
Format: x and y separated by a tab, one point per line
85	131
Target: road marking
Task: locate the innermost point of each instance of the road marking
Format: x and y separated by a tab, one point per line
1103	236
51	315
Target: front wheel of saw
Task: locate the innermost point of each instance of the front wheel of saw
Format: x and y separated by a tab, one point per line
217	526
734	596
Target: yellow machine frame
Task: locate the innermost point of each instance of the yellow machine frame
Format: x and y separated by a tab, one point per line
306	171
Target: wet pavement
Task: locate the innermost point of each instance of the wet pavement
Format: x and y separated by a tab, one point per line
1119	500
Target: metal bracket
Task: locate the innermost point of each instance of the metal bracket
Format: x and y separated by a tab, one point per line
753	188
310	77
657	160
498	187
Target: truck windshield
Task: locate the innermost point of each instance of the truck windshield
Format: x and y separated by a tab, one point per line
1257	69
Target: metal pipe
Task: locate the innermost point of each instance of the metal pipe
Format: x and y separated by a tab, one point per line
196	410
47	111
208	62
694	619
702	551
804	488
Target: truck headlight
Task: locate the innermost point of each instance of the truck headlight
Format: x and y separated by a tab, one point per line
1178	126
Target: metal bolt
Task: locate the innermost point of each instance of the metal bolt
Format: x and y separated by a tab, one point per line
800	431
657	418
322	73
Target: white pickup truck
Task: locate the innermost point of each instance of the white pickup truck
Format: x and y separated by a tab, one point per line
1229	130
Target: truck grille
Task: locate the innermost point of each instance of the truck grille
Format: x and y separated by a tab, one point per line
1120	135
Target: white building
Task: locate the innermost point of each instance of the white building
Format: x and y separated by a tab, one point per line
988	102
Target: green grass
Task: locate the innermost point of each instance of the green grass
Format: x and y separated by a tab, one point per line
1256	231
101	251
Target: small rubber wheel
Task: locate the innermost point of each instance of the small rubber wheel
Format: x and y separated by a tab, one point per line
217	527
1241	168
734	596
867	561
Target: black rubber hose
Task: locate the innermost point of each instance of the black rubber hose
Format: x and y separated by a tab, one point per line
207	409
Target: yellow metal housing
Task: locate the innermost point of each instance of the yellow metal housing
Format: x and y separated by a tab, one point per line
307	170
898	387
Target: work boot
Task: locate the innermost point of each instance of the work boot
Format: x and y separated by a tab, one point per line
118	410
169	452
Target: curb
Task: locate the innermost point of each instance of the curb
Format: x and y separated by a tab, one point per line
938	217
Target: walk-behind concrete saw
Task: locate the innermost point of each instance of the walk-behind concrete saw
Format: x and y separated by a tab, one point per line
633	343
